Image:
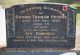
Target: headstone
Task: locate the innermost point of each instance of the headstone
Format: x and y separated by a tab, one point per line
40	25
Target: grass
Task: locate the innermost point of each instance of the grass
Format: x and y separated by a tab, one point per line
78	19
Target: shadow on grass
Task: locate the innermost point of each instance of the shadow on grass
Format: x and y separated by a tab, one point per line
78	9
61	1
